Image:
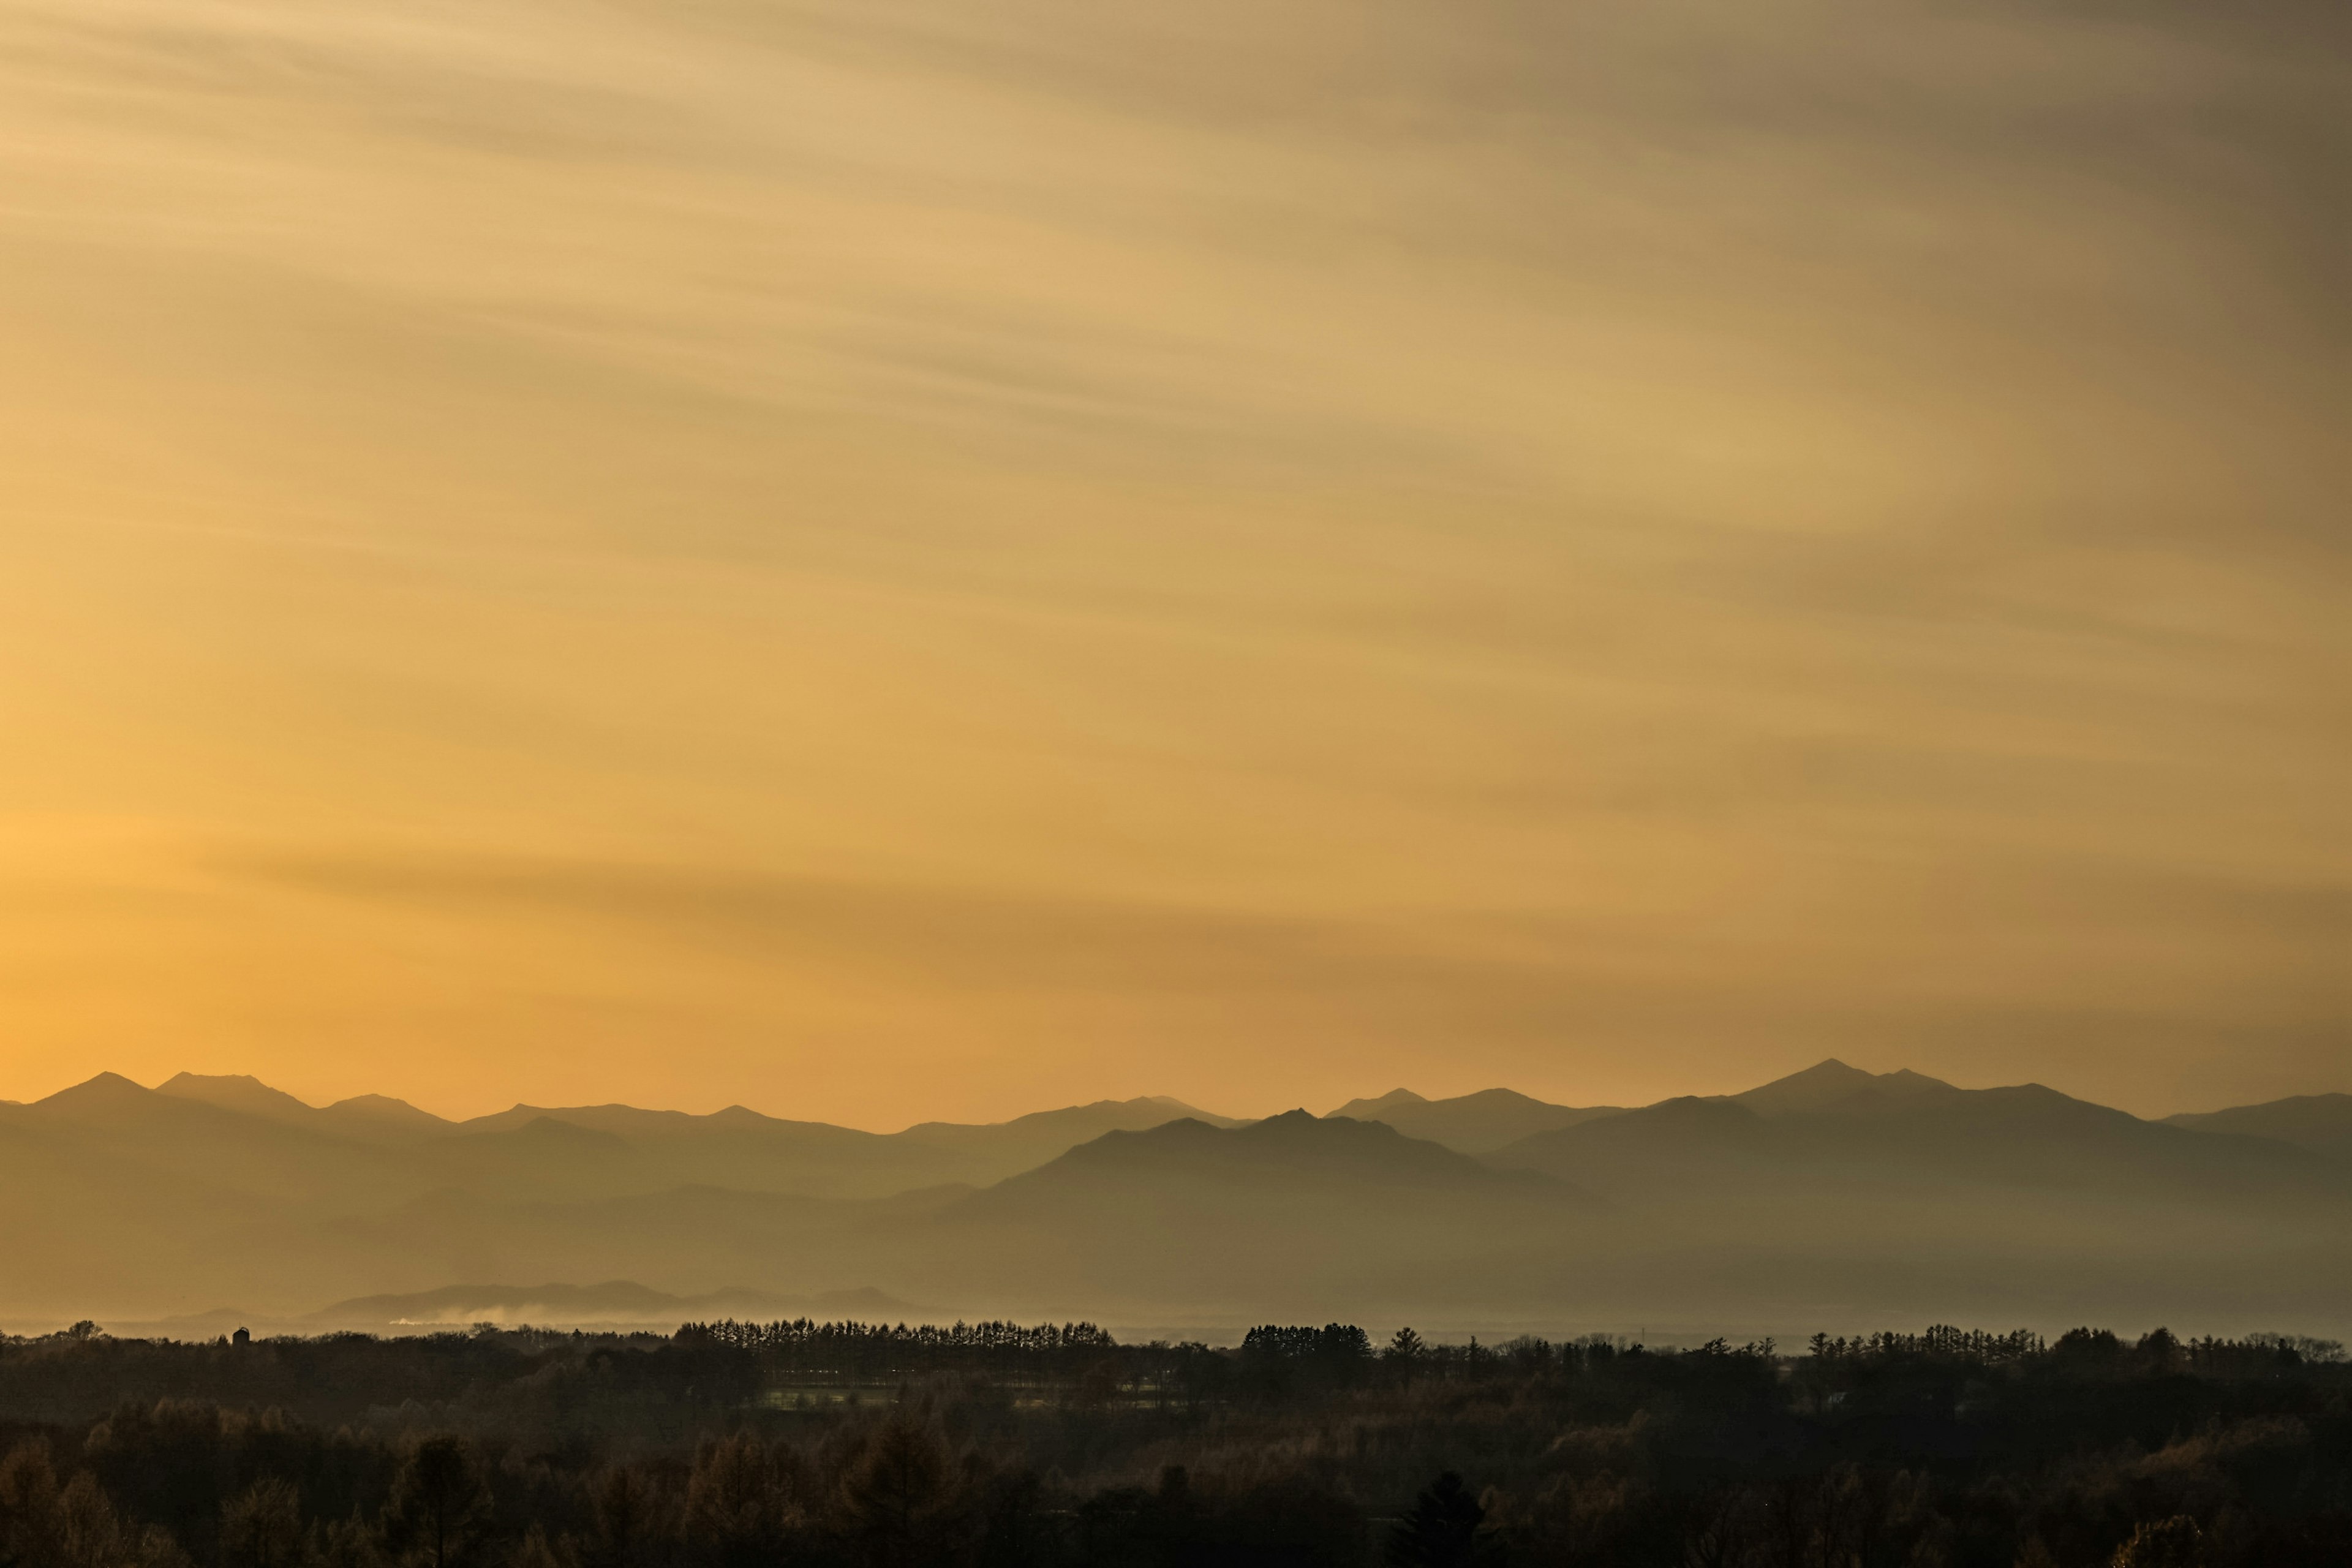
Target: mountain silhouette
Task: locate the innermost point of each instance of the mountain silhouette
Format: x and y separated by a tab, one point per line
1837	1127
1294	1151
741	1148
2319	1122
1471	1123
374	1118
1831	1085
1832	1196
1297	1210
165	1200
1002	1148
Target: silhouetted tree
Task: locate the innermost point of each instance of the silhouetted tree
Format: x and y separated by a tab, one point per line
1442	1529
622	1513
2087	1346
742	1501
262	1527
440	1503
28	1507
897	1498
2159	1352
90	1534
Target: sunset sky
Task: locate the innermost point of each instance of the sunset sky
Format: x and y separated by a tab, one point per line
886	559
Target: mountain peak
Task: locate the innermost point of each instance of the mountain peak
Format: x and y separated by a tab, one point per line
107	1090
1830	1084
1828	1072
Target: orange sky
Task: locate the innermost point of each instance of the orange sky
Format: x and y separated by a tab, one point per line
884	561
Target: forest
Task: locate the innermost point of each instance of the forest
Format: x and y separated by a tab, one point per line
731	1444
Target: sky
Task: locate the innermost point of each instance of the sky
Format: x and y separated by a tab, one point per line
891	559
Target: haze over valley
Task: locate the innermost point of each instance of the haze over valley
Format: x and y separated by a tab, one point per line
1832	1198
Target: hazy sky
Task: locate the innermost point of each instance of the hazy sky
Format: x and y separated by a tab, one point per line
886	559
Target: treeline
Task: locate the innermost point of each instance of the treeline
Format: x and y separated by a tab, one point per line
1054	1446
853	1351
2159	1350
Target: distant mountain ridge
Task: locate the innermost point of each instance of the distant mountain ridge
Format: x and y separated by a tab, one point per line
1294	1208
987	1146
1831	1085
376	1116
1828	1127
548	1149
1471	1123
1364	1155
1887	1193
2319	1122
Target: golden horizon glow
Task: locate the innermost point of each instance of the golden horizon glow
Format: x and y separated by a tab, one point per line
898	561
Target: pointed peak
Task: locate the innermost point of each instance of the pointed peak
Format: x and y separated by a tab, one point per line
107	1100
1831	1083
104	1088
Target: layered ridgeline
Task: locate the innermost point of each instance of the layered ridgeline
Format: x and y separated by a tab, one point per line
1828	1198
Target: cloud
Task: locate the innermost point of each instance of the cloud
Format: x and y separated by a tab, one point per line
975	939
1515	537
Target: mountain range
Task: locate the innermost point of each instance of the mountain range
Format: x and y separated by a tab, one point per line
1832	1198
